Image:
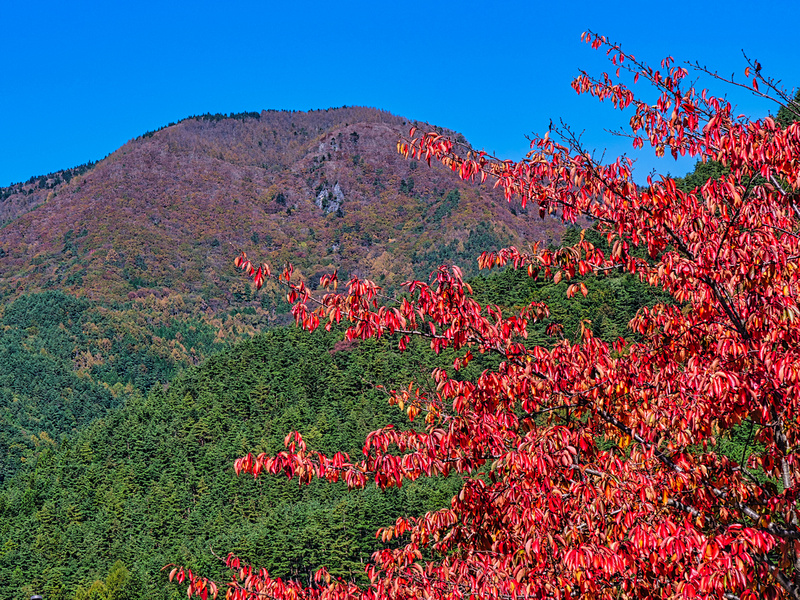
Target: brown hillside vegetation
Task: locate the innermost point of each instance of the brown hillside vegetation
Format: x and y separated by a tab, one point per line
323	188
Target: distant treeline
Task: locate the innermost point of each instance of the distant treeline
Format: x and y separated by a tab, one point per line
45	182
239	116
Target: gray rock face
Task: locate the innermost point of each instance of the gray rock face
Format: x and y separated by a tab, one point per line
330	200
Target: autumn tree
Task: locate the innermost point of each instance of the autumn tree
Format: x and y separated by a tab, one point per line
590	469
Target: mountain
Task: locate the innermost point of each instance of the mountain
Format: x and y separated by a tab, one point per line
322	189
116	275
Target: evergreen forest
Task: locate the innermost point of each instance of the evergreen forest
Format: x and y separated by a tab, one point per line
96	508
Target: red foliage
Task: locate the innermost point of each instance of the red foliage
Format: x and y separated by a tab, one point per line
590	469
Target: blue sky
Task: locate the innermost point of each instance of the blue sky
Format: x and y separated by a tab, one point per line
78	79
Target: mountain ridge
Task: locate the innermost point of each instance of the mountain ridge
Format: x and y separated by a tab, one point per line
155	212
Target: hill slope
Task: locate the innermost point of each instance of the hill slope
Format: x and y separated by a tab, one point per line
153	483
146	239
322	189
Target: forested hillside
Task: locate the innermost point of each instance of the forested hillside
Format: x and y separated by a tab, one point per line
152	482
65	360
115	275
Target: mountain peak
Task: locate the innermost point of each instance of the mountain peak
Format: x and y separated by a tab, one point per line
322	189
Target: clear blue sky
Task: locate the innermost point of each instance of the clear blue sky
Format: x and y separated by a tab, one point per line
78	79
